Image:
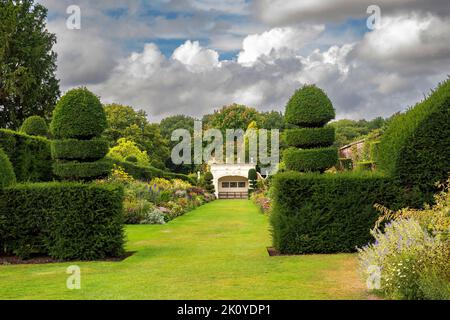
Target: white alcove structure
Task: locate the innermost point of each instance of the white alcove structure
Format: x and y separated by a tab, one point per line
231	180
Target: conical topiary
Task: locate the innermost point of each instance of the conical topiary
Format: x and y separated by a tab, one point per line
78	122
310	141
7	176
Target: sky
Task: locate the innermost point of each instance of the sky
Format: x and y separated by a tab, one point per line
191	57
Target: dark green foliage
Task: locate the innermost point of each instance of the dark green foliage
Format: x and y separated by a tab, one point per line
345	164
72	149
74	170
310	160
309	107
365	166
63	220
30	156
311	137
78	115
28	85
78	121
131	159
209	185
35	126
7	176
415	149
327	213
253	180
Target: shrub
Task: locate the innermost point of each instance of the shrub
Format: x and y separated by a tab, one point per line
79	114
253	178
345	164
131	159
415	150
311	137
126	148
209	185
63	220
310	160
72	149
7	176
309	107
365	166
30	156
327	213
35	126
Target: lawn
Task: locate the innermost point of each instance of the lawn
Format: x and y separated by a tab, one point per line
215	252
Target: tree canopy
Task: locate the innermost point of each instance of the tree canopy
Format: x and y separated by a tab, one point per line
28	85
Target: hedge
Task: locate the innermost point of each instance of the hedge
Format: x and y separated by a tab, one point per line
65	221
74	170
309	107
7	176
328	213
415	150
311	137
30	156
310	160
72	149
79	114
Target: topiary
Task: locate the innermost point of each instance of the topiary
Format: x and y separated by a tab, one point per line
415	149
309	107
209	185
78	121
35	126
308	111
7	176
79	114
252	178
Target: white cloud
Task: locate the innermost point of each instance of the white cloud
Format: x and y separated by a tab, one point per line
277	42
196	57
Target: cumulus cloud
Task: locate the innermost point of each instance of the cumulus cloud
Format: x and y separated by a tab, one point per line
196	57
375	74
277	42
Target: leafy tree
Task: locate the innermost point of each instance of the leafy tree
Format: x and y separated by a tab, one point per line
126	123
272	120
170	124
28	85
232	117
126	150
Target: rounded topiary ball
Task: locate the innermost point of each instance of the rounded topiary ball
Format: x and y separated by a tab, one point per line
7	176
309	107
79	114
35	126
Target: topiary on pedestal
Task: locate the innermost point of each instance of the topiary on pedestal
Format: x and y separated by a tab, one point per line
78	122
311	140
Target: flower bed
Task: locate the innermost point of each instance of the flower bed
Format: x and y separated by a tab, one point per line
158	201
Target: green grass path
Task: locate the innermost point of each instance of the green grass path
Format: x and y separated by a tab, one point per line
215	252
